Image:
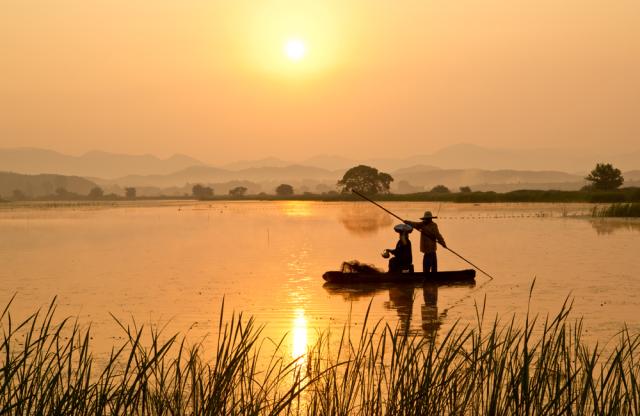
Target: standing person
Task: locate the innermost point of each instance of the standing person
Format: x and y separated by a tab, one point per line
429	236
402	259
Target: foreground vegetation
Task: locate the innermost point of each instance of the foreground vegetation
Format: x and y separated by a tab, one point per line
538	367
618	210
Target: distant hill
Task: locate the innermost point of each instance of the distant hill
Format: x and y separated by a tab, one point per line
330	162
207	174
100	164
269	162
468	156
42	185
459	165
428	177
632	175
461	156
412	179
416	169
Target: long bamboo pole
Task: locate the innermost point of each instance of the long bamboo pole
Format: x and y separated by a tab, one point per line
391	213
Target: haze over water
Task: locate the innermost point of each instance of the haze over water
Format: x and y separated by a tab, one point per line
173	264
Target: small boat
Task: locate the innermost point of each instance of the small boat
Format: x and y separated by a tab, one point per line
443	278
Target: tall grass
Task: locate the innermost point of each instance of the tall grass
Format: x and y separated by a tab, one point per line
618	210
536	367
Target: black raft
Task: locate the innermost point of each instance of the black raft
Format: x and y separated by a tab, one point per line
448	277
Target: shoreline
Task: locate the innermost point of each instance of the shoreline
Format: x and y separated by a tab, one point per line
624	195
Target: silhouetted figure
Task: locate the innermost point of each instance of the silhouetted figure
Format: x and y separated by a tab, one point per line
402	260
429	235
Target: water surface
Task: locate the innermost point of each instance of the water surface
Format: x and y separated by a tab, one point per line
171	264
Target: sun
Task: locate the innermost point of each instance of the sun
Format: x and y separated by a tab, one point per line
295	49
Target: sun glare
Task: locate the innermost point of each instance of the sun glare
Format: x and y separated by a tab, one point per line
295	49
295	41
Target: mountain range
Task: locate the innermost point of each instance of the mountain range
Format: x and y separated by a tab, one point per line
42	184
95	163
460	156
455	166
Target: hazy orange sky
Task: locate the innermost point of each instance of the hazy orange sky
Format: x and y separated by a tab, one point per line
379	78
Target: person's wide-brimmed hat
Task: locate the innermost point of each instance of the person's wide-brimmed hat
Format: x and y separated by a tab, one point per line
427	215
403	228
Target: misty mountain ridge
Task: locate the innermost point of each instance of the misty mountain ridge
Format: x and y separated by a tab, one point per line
91	164
413	179
470	156
208	174
460	156
42	184
319	174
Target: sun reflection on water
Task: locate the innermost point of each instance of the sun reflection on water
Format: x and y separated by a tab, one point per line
297	208
299	336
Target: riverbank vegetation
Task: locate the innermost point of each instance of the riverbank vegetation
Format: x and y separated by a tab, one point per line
550	196
623	195
618	210
538	366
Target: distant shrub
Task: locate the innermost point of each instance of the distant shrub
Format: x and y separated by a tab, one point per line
440	189
465	189
96	192
238	191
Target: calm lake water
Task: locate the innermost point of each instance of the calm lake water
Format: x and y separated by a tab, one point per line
173	263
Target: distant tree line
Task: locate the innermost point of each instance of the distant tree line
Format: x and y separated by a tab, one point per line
604	186
61	193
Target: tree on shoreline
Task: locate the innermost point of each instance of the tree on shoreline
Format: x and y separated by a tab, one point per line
202	192
605	177
96	192
440	189
365	179
238	191
284	190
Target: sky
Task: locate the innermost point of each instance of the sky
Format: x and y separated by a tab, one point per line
212	79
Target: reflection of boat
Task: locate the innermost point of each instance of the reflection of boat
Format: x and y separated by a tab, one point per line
401	299
358	290
448	277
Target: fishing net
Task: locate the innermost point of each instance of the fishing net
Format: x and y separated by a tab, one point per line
354	266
